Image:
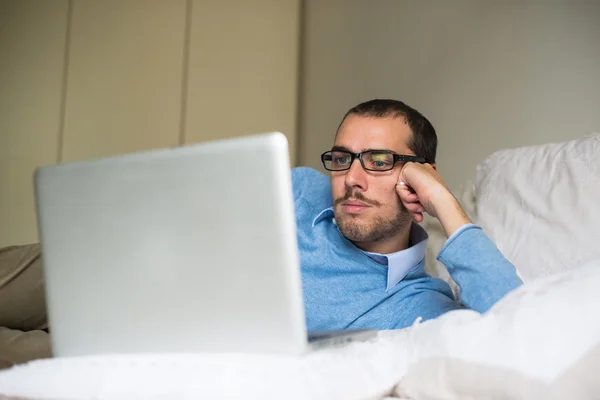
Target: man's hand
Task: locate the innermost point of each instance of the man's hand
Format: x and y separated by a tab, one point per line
424	190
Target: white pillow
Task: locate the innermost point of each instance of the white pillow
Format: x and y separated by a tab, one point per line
541	341
541	204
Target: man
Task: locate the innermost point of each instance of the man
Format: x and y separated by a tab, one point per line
362	255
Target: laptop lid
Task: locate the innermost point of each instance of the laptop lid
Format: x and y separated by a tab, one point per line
190	249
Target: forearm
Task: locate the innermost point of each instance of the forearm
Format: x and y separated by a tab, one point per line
482	273
449	212
474	262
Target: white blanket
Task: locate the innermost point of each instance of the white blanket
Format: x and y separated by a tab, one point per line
540	341
361	370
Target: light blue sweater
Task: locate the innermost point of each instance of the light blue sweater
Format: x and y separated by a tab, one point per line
345	288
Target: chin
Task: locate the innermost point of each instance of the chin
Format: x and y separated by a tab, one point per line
354	229
342	218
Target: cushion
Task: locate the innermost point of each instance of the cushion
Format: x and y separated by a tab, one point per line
540	204
541	341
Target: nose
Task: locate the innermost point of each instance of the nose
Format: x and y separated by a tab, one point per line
356	177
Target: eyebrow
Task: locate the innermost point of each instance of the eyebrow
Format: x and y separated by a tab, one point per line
344	148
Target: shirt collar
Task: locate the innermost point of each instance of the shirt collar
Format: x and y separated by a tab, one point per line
399	263
328	212
402	262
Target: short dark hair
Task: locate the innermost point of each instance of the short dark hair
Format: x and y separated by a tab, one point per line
424	139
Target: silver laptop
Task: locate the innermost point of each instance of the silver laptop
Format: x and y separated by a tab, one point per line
190	249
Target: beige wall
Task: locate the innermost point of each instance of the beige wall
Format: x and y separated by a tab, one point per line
123	90
83	79
488	74
32	52
252	89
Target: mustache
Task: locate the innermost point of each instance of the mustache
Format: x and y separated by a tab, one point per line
356	195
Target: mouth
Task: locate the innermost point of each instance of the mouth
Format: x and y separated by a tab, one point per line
354	206
351	202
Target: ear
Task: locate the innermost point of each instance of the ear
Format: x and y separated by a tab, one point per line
434	165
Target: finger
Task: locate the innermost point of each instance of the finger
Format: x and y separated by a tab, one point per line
404	189
414	207
410	198
417	217
406	196
403	175
401	185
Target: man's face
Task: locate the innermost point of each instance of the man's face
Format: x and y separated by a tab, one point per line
366	206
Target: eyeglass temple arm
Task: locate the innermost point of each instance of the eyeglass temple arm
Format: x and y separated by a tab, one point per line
411	159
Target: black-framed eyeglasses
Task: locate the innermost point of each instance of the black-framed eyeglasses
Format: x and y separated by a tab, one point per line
371	160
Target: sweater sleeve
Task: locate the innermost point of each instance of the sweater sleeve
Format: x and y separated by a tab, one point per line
481	272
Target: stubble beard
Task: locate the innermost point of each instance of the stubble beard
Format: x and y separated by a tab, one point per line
355	229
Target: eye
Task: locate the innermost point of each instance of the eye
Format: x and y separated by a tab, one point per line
381	160
380	163
342	160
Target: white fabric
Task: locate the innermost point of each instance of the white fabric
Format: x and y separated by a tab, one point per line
541	204
539	331
361	370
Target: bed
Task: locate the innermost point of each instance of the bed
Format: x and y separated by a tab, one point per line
540	204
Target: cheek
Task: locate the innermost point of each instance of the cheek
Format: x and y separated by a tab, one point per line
338	187
385	193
